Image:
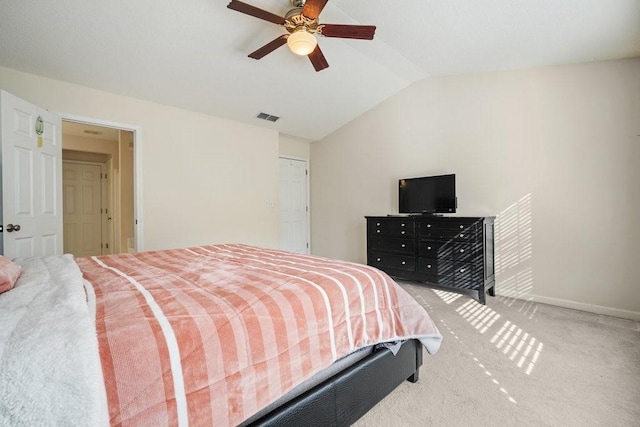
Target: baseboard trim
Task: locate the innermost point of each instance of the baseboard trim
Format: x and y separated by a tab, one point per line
591	308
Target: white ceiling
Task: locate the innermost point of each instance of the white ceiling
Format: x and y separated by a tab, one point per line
193	53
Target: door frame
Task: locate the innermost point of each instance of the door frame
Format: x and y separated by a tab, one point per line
108	202
308	169
137	167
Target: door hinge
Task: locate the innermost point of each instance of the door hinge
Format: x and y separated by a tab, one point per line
307	246
107	245
306	172
307	208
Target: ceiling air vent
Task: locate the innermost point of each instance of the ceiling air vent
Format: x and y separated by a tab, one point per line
92	132
268	117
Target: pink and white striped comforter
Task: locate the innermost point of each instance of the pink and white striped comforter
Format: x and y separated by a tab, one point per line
212	334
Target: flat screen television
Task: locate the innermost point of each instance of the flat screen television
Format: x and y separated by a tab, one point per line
427	195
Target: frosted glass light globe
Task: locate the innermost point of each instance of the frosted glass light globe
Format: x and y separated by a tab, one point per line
302	42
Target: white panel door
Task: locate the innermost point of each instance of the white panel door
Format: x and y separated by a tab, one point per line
31	184
294	224
82	208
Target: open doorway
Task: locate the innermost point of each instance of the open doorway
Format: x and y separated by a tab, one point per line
98	189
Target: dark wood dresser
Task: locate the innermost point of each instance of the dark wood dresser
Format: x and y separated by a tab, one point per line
453	253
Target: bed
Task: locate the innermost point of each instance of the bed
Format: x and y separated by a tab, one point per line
210	335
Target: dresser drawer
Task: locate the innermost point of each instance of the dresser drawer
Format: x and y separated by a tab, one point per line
458	223
436	267
468	275
397	262
445	280
442	271
435	249
455	250
391	244
466	251
465	234
392	227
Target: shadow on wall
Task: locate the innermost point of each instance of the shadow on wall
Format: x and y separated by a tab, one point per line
514	253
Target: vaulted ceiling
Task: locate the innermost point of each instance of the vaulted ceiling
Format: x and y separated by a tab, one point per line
193	53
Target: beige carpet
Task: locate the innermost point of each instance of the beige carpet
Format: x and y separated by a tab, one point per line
518	363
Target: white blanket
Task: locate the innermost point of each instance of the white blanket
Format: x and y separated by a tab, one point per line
50	371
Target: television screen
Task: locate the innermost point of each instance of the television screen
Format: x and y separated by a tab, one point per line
429	194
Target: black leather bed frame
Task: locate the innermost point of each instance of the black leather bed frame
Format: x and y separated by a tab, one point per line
345	397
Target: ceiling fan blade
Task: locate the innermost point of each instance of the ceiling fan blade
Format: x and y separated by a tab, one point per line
269	47
362	32
312	8
256	12
318	60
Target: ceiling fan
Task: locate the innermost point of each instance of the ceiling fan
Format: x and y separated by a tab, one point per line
302	25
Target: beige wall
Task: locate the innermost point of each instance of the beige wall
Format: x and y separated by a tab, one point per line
294	147
204	179
552	152
83	156
91	145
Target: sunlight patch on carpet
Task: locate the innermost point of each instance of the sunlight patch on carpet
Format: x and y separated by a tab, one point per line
515	342
480	365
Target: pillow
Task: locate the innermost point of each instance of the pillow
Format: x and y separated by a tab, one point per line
9	273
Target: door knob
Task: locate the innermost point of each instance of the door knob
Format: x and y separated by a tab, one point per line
11	227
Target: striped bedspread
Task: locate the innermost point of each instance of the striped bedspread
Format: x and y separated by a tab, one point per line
210	335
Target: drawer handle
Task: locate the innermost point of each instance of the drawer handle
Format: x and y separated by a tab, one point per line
428	265
403	245
428	225
462	226
402	225
461	250
462	235
462	270
378	259
428	248
404	262
378	224
402	232
377	231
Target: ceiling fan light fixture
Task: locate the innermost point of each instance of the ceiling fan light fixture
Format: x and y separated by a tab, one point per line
302	42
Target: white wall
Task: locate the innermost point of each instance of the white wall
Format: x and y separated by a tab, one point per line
205	179
553	152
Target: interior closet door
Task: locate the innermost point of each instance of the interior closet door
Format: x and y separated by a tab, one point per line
31	179
83	209
294	213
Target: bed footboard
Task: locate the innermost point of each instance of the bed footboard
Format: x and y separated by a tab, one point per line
345	397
